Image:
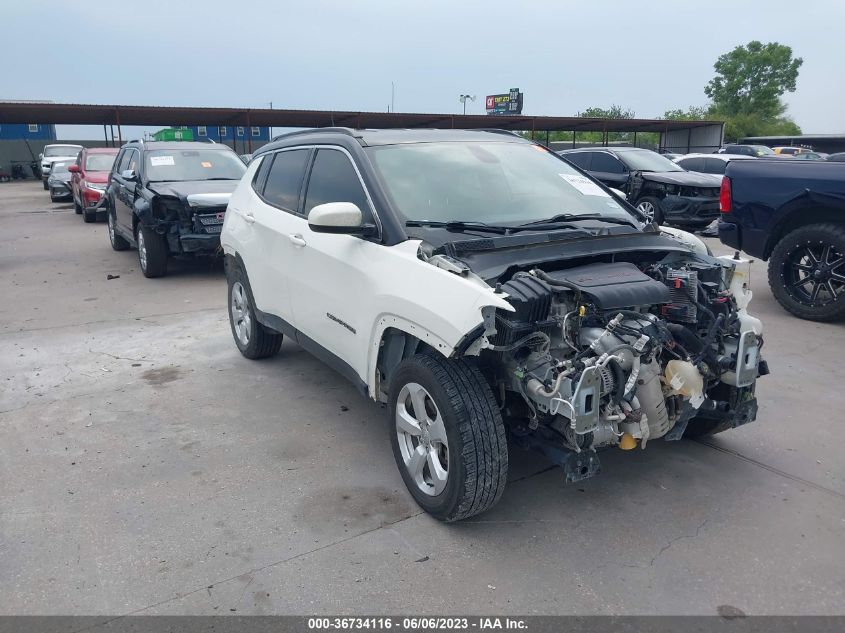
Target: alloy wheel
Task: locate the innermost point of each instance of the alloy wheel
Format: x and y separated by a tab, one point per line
422	439
240	313
647	209
814	274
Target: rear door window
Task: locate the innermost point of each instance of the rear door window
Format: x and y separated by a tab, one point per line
693	164
606	163
579	159
284	180
715	166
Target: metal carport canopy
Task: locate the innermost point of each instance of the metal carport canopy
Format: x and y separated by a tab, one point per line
90	114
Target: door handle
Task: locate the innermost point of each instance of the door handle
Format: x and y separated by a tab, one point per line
297	240
249	218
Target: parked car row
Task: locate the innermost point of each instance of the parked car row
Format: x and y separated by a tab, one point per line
763	151
477	284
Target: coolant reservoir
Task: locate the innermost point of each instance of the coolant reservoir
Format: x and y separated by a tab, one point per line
684	378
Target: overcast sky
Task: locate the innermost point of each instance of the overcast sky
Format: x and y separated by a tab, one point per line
649	56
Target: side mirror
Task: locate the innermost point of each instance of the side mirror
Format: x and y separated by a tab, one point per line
74	169
128	174
338	217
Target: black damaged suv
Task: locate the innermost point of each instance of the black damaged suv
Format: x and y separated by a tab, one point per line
662	190
169	198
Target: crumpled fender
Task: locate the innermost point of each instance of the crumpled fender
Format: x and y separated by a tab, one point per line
432	304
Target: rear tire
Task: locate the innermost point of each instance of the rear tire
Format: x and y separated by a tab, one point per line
118	243
152	252
459	427
807	272
652	207
253	339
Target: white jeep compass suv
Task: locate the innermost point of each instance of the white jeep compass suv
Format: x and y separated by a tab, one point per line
486	291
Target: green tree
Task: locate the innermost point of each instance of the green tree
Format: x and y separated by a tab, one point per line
751	79
693	113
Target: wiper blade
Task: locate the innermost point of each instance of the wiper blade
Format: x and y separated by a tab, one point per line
456	225
576	217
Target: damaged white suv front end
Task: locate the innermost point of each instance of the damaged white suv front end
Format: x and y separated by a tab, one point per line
489	294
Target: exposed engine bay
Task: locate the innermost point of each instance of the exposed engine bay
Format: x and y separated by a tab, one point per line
622	354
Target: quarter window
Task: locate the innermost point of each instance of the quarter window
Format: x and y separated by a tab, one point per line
334	179
284	179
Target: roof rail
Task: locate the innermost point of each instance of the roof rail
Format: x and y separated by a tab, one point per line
337	130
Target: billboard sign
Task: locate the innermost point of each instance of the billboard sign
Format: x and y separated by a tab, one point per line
508	103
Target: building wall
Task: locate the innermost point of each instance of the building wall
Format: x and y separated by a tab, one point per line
705	139
29	131
238	136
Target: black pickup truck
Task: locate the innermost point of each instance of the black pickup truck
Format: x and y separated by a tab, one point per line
791	213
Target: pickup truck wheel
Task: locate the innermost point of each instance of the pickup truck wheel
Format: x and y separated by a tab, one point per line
152	252
253	339
448	436
807	272
89	216
652	208
117	241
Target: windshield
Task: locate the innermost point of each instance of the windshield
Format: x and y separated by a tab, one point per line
99	162
171	165
646	160
762	150
489	182
60	166
62	150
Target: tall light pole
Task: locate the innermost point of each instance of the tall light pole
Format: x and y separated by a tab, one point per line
463	99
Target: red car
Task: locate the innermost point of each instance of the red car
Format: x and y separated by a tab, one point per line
89	178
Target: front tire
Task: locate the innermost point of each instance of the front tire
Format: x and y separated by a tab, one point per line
448	436
807	272
152	252
652	208
77	207
89	216
253	339
46	187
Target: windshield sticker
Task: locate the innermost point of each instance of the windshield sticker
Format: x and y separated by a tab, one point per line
205	163
158	161
586	186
